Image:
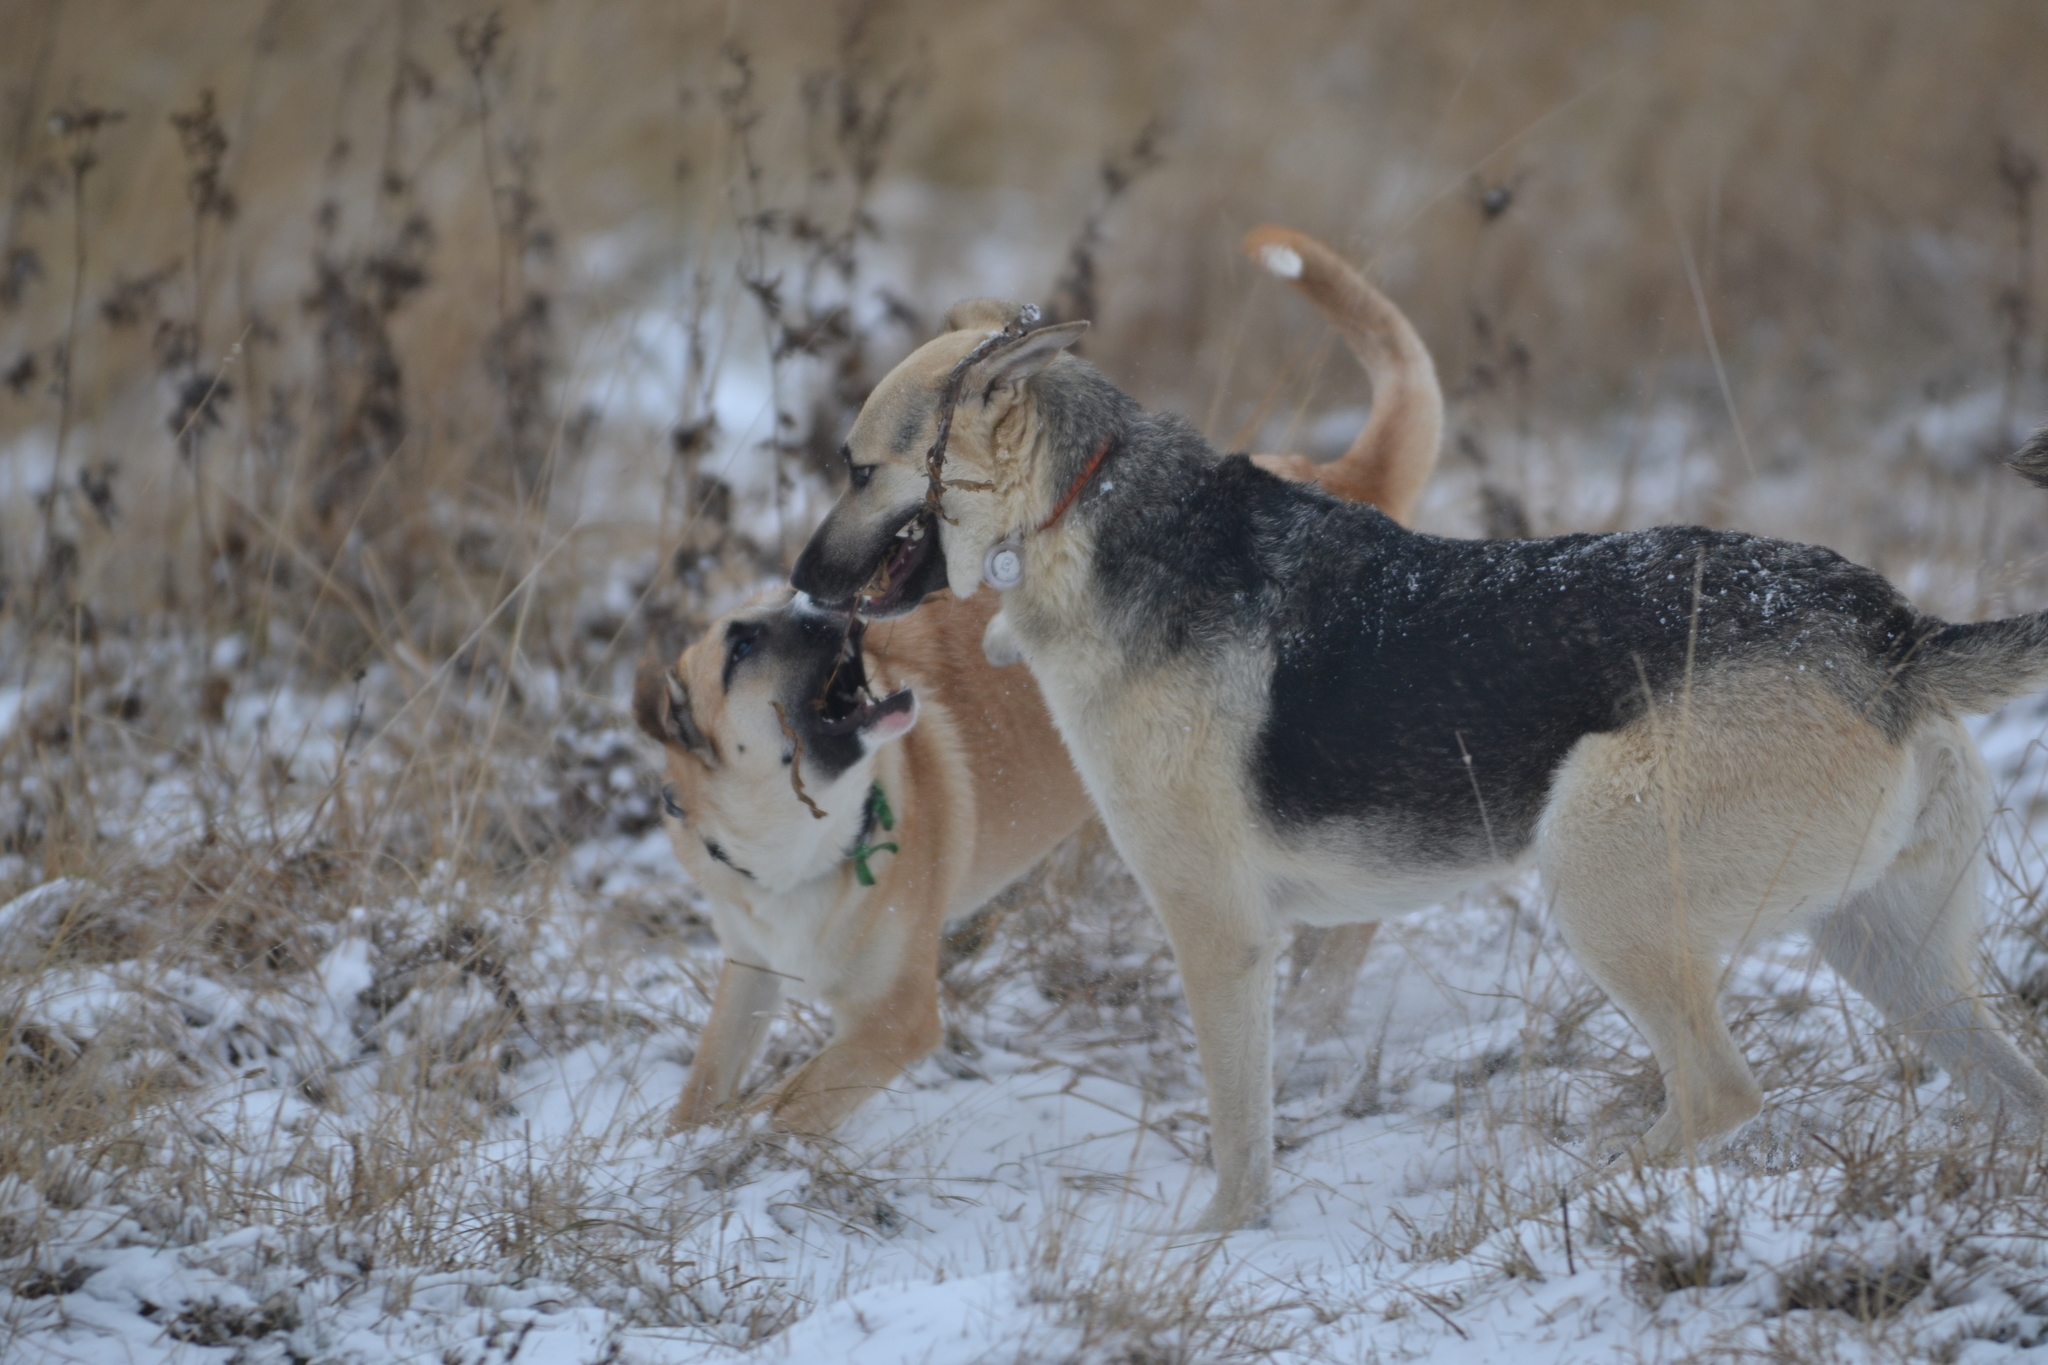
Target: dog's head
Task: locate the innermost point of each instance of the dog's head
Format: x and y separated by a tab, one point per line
773	687
881	549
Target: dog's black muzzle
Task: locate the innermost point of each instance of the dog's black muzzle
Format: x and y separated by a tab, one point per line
878	575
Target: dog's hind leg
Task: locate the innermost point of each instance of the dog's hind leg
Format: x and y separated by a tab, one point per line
1906	944
1667	983
740	1012
1324	966
1654	931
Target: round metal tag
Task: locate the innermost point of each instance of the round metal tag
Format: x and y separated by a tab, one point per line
1002	567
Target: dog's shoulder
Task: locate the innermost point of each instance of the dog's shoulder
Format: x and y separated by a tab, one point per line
1201	547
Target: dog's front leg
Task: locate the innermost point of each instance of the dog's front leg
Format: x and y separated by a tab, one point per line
879	1032
1226	952
740	1012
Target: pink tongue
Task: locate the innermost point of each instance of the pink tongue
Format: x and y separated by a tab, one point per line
891	715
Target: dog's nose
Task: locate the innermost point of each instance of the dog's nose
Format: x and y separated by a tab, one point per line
826	590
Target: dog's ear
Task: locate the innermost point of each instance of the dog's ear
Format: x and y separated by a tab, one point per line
1011	366
661	704
982	315
2031	463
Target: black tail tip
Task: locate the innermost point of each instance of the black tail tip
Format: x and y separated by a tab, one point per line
2031	463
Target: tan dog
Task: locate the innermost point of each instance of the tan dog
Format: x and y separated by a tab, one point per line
1289	709
947	789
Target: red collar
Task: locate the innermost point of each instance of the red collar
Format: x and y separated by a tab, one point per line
1074	490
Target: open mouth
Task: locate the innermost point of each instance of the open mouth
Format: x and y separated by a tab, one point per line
847	707
912	570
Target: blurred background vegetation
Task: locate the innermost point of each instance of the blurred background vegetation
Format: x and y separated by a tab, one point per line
364	294
479	346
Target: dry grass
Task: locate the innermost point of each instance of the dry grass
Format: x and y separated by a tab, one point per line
368	406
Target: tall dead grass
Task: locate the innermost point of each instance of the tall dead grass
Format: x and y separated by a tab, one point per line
340	482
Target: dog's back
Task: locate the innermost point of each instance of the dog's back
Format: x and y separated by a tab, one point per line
1439	683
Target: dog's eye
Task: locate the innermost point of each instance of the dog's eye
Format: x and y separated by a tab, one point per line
859	474
671	805
740	638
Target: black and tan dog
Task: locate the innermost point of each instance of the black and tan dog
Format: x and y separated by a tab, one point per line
842	794
1289	708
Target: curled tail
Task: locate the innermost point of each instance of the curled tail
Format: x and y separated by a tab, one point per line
1390	462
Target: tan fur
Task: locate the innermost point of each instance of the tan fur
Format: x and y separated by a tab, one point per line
1756	808
982	786
870	952
1750	803
1389	464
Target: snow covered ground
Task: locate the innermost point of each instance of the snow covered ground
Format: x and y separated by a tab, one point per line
437	1137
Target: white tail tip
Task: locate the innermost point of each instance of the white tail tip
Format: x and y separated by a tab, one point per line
1283	261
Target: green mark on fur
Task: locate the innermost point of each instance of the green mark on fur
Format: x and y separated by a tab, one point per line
878	814
879	804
